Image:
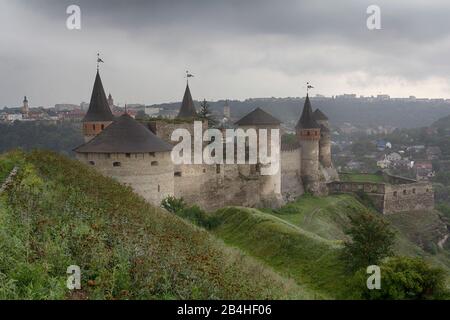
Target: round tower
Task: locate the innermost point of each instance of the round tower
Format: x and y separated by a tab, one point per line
130	153
325	139
99	115
308	134
269	174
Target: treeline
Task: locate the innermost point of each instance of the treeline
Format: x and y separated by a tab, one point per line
61	137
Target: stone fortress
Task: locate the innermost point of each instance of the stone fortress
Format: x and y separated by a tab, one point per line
139	155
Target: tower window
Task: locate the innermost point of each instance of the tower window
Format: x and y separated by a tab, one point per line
395	193
405	192
217	168
152	154
177	174
93	127
159	188
117	164
92	163
414	190
155	163
103	126
128	155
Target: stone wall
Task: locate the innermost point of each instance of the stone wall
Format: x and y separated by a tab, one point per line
215	186
151	175
408	197
165	129
291	181
389	198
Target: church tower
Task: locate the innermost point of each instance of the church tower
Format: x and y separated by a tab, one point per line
110	101
308	135
25	107
325	139
99	115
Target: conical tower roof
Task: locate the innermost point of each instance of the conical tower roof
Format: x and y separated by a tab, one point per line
98	107
187	110
125	135
258	117
306	120
319	115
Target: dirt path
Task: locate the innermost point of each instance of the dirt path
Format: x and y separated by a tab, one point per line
9	179
442	241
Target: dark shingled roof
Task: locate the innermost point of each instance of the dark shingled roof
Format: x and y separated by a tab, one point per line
125	135
319	115
258	117
187	109
98	107
307	121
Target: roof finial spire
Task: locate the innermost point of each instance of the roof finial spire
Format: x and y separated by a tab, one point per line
188	75
99	60
308	86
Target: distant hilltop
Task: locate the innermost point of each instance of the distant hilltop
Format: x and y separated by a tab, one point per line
408	112
380	110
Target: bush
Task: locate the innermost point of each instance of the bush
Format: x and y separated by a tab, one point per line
173	204
404	278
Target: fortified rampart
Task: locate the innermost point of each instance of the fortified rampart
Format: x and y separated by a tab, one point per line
394	194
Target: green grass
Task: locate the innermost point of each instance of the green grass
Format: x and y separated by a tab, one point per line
312	261
355	177
302	240
324	216
59	213
6	165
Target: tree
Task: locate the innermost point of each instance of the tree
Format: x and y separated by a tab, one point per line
371	241
404	278
205	114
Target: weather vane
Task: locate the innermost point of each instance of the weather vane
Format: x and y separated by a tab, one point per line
99	60
188	75
308	86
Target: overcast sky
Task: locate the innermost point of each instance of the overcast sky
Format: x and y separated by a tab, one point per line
235	48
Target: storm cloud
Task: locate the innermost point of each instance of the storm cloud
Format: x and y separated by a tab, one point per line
235	49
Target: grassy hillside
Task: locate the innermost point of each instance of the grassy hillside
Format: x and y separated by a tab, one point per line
302	240
309	259
60	213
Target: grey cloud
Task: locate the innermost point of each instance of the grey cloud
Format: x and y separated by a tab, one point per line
233	45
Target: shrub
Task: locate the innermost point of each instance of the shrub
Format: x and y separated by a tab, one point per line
404	278
173	204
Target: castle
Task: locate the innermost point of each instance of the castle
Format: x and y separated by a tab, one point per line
139	155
